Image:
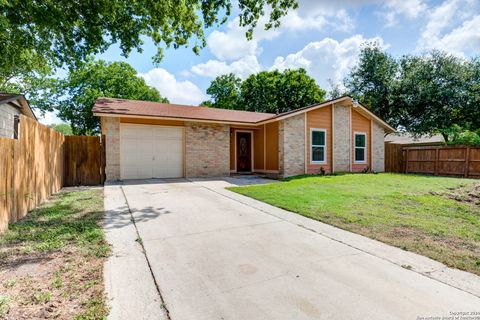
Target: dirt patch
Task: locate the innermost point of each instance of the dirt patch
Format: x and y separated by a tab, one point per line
54	285
51	262
466	194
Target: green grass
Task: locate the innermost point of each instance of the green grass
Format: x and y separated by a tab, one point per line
70	218
67	233
409	211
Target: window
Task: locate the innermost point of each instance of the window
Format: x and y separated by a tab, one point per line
360	147
318	138
16	126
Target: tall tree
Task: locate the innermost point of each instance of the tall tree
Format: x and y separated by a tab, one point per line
373	81
434	94
275	91
79	91
225	92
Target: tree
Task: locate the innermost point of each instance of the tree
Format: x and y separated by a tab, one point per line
433	93
472	83
422	94
276	92
59	32
63	128
79	91
373	81
225	92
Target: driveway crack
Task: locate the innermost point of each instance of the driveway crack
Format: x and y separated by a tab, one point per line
139	240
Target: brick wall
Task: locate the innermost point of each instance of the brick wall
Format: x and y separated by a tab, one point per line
341	137
378	148
292	146
111	128
207	149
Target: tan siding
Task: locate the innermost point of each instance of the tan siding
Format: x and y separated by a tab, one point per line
258	149
160	122
272	145
360	124
320	119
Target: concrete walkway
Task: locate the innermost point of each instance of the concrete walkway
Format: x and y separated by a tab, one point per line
213	254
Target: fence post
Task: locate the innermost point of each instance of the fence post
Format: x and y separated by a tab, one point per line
467	162
406	161
437	152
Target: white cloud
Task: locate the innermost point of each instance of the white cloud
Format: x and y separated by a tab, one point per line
326	59
317	18
463	38
242	67
410	9
48	118
452	26
182	92
233	44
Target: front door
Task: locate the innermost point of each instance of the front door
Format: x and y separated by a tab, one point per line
244	151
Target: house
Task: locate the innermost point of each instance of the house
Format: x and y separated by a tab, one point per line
158	140
407	139
11	107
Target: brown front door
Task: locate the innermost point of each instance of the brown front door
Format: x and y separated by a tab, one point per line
244	152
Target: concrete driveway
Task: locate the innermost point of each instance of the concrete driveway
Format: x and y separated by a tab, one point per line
212	254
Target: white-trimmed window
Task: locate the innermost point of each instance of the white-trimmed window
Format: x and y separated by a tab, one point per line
360	150
318	147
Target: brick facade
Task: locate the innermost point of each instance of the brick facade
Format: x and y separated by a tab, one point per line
111	128
292	146
207	149
378	147
341	138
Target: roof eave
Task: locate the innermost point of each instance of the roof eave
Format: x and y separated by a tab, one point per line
117	115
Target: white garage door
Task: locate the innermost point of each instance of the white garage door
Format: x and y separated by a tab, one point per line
150	151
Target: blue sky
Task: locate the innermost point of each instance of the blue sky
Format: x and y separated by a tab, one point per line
322	36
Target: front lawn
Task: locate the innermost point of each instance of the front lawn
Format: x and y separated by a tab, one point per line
433	216
51	262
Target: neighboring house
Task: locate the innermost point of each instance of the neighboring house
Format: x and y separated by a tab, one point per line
11	107
158	140
407	139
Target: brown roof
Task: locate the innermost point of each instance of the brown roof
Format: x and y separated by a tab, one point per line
166	110
115	106
407	138
23	104
7	97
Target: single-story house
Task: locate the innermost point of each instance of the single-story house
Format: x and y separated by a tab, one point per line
159	140
407	139
11	107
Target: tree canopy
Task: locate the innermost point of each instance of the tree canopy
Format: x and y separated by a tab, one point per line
225	92
81	88
36	34
373	81
266	91
422	94
63	128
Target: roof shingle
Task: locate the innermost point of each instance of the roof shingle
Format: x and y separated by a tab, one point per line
166	110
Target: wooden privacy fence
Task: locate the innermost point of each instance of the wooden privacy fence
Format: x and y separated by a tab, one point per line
461	161
393	158
39	163
84	158
31	169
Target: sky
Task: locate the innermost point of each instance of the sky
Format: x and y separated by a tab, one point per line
322	36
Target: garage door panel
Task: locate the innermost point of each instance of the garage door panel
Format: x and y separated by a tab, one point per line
151	152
